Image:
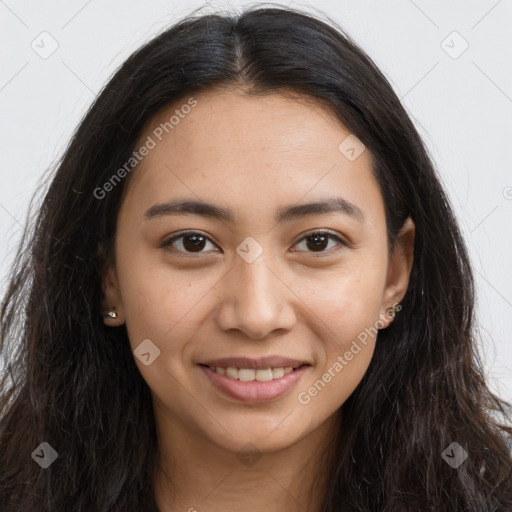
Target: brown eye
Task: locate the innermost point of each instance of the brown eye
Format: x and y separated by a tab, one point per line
188	243
318	242
195	243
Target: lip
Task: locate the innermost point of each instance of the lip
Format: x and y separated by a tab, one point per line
254	391
256	364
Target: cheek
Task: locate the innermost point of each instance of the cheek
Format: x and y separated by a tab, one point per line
348	346
161	303
345	301
348	312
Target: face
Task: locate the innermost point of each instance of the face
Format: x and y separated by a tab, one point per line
288	297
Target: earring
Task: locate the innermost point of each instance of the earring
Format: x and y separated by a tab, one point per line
394	309
111	314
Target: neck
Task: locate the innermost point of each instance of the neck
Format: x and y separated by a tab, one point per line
195	474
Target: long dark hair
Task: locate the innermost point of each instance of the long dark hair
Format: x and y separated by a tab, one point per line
73	383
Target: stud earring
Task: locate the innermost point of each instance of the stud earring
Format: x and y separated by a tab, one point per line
111	314
393	309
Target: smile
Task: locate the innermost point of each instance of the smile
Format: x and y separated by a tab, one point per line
253	385
250	374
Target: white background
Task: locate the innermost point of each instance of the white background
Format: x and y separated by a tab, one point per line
462	107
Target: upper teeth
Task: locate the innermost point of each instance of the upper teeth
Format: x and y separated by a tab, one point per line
248	374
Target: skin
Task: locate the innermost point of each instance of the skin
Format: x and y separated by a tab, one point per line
253	154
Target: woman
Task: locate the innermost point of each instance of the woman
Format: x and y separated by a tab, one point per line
245	288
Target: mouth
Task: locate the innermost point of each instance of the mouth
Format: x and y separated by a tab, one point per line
251	374
249	380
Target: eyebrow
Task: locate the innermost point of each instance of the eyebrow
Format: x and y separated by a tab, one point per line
284	214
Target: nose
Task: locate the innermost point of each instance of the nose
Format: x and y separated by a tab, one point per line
255	300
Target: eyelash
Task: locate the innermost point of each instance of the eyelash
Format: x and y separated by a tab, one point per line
166	244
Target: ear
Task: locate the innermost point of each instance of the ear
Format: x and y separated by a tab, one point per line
399	270
112	300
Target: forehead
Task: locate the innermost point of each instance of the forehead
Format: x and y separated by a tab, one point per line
238	148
